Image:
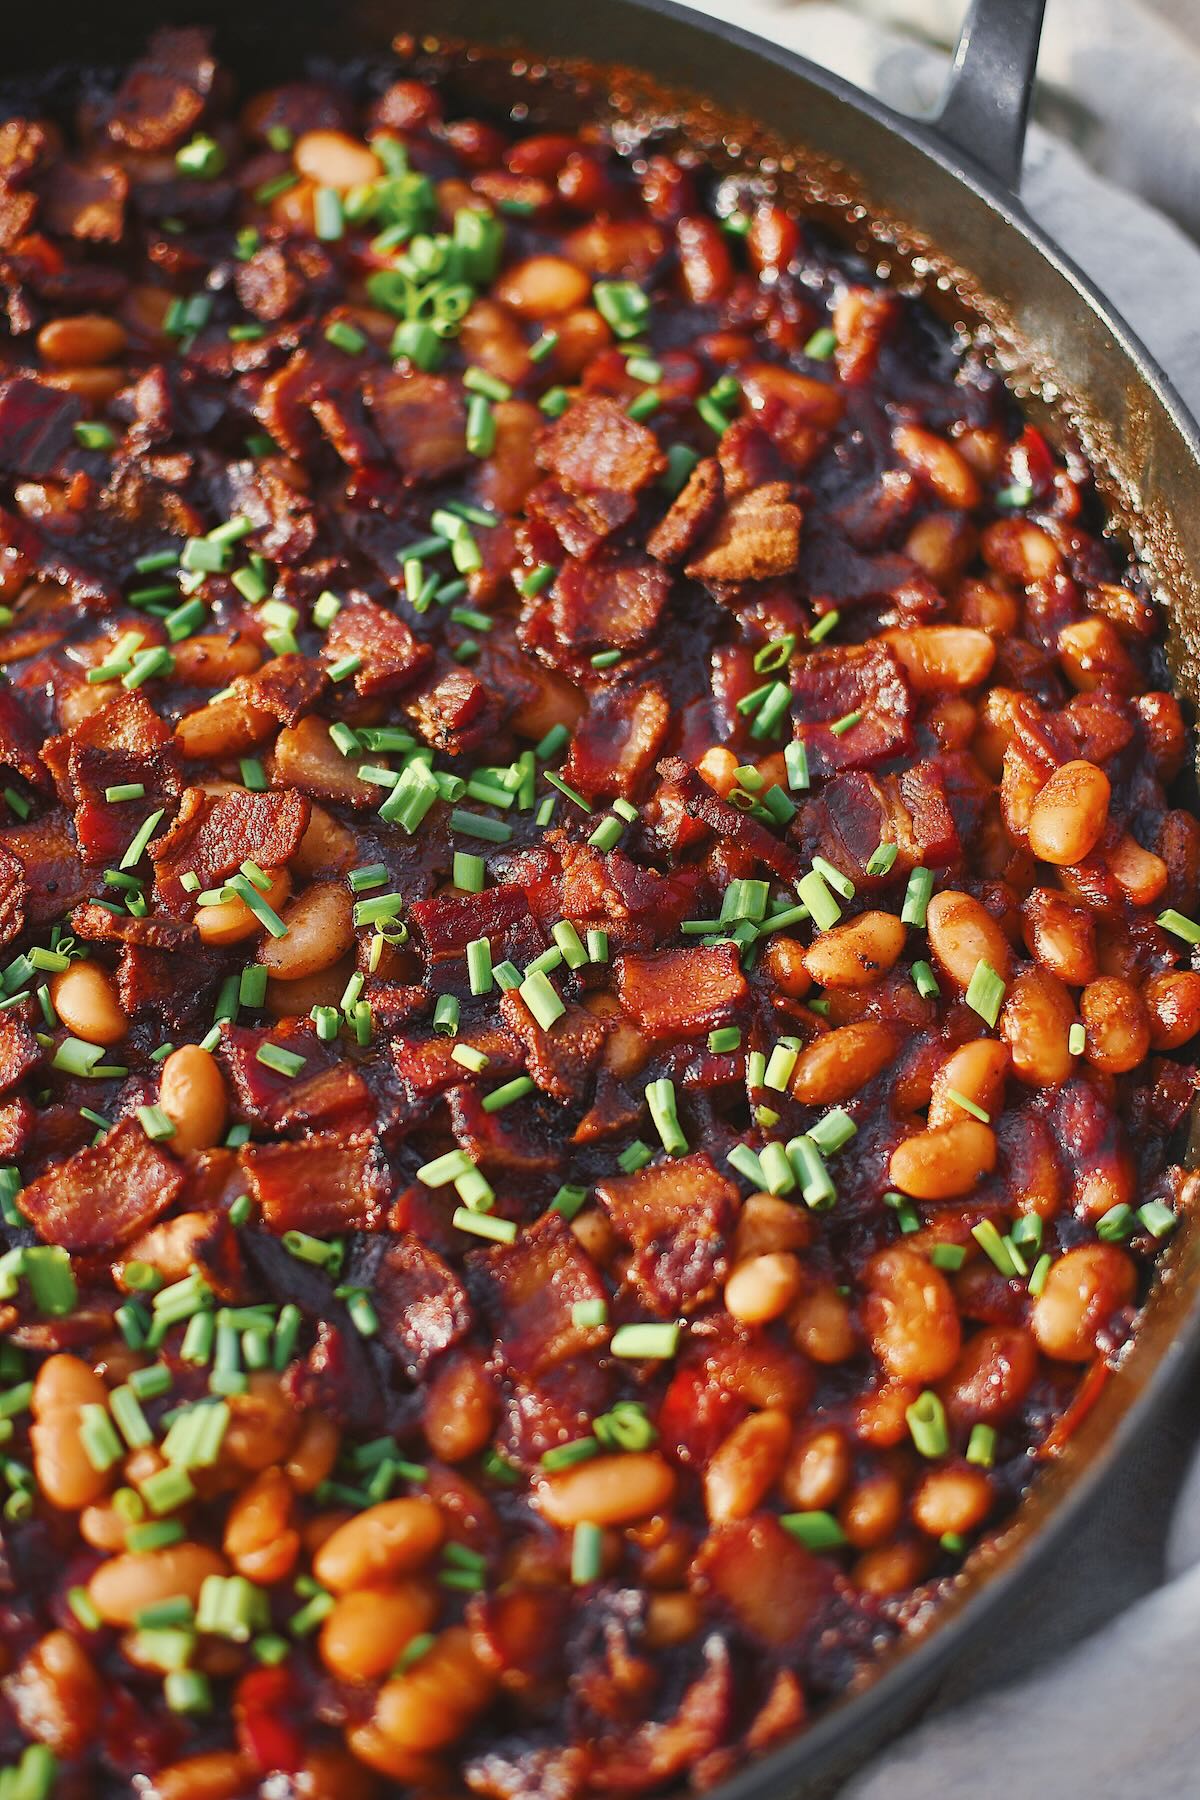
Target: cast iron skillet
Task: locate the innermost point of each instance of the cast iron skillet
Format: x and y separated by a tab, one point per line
947	183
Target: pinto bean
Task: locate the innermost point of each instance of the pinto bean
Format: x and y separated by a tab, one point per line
333	159
65	1475
1062	937
817	1470
608	1490
1019	550
126	1585
910	1316
1069	815
85	999
1035	1023
1082	1291
320	930
838	1064
872	1510
192	1094
746	1465
394	1538
952	1500
365	1634
977	1071
992	1375
856	954
945	1162
762	1288
259	1539
1173	1005
56	1694
429	1705
81	340
543	287
939	465
962	933
232	922
1117	1023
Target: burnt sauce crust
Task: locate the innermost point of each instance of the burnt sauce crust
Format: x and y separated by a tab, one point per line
598	951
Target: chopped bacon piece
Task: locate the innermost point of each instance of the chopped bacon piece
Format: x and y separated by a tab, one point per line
677	1216
12	896
422	1305
660	1750
421	421
105	1193
692	514
595	447
19	742
37	423
449	923
284	687
329	1181
163	96
563	1059
513	1142
758	536
427	1064
388	652
19	1051
580	521
54	880
282	512
86	200
615	744
830	686
455	714
700	801
679	993
326	1094
214	834
775	1588
529	1290
614	602
95	922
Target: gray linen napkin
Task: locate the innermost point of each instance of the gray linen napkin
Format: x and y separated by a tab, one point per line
1093	1696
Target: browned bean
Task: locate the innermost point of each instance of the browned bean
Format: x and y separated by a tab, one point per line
938	464
213	1775
784	963
1117	1024
81	340
1069	815
910	1316
213	659
1062	937
836	1065
767	1225
962	933
311	1458
1020	551
232	922
763	1287
977	1071
307	758
460	1407
746	1465
953	1500
1083	1289
945	1162
85	999
1173	1004
608	1490
429	1705
938	658
364	1635
816	1472
334	159
823	1325
856	954
320	930
65	1474
56	1694
992	1375
260	1540
1143	875
872	1509
542	287
1091	652
126	1585
394	1538
1035	1023
891	1569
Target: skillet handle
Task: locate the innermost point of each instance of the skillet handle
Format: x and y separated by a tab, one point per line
985	106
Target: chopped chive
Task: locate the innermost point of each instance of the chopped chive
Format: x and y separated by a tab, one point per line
916	898
981	1446
541	999
587	1554
995	1248
652	1342
925	981
485	1225
284	1062
1179	925
513	1090
815	894
985	992
815	1530
824	627
927	1424
660	1097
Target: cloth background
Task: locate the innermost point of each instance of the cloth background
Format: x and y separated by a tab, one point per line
1093	1695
